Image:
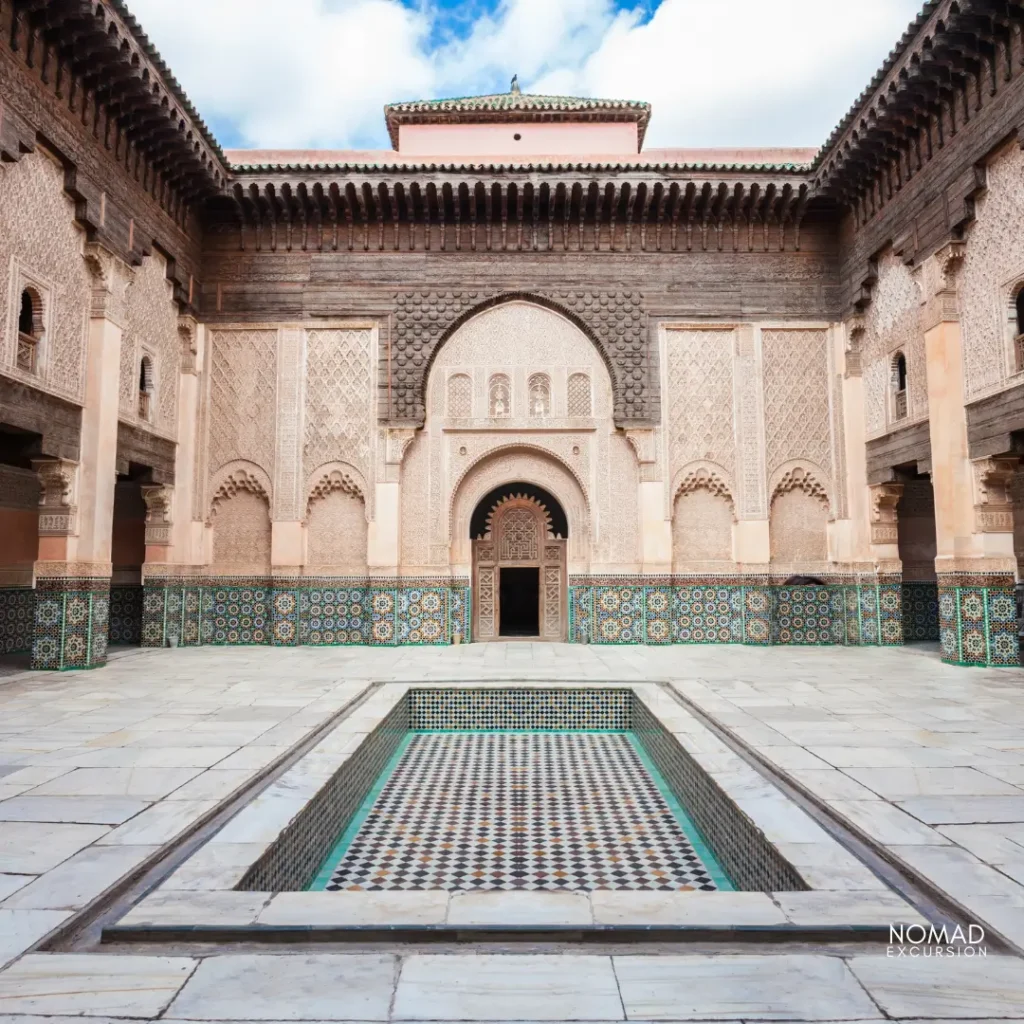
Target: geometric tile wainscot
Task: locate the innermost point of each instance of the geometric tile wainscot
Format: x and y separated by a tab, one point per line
65	622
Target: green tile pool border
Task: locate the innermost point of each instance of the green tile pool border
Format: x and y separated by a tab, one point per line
686	823
323	875
683	819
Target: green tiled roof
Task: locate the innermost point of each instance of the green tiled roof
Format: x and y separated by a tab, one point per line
505	105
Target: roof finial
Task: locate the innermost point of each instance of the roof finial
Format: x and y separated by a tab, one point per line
514	87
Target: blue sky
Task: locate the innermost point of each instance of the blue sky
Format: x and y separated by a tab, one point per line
316	73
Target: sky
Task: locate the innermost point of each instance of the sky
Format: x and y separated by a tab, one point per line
317	73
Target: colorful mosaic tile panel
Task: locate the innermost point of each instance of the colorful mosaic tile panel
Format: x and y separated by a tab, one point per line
125	615
920	612
17	618
70	627
521	811
978	622
529	708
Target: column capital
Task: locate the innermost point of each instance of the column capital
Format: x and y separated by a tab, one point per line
993	505
158	499
939	299
643	441
58	511
884	528
855	329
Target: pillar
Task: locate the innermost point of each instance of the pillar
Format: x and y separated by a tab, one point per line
76	518
973	526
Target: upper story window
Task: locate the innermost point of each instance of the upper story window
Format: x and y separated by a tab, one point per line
499	397
30	330
578	399
146	388
899	386
540	395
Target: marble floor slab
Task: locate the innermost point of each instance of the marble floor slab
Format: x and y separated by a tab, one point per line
299	986
511	986
97	985
781	987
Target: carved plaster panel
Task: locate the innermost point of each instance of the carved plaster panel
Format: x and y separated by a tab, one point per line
151	324
38	231
748	401
243	398
340	398
892	323
993	269
796	397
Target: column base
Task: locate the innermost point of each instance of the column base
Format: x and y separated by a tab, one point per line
978	619
71	622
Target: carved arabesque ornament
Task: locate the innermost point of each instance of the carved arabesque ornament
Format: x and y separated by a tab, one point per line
536	508
799	478
336	479
703	478
188	328
240	479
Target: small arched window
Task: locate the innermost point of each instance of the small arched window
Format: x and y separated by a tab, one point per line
899	385
578	400
460	396
499	397
540	395
145	388
30	330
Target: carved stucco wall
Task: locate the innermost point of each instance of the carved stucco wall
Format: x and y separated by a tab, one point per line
993	266
242	398
701	531
891	325
340	399
519	339
616	320
336	537
798	528
39	238
241	535
151	328
699	399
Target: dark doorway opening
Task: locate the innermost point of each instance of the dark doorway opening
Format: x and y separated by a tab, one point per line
519	601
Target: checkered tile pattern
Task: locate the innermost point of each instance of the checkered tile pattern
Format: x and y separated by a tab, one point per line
548	811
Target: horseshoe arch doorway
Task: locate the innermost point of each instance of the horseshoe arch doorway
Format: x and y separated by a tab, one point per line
519	536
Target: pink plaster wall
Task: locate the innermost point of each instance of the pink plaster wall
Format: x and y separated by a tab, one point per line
19	537
493	140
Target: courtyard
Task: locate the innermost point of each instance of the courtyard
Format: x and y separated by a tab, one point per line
919	765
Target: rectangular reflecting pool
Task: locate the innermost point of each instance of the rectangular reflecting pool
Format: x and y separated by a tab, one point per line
530	810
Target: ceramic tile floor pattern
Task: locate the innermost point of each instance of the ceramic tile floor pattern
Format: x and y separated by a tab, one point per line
536	811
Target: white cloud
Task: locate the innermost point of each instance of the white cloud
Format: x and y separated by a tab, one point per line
719	72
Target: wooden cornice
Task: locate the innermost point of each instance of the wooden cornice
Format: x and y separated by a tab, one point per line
516	211
956	57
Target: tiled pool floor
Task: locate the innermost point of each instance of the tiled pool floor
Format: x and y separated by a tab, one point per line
571	811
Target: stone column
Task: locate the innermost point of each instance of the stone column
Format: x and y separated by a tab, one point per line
77	508
384	534
974	534
655	529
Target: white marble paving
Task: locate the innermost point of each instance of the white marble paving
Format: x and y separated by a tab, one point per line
92	986
781	987
289	987
510	986
22	929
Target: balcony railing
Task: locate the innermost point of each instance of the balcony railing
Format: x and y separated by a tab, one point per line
144	405
901	405
28	351
1018	353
